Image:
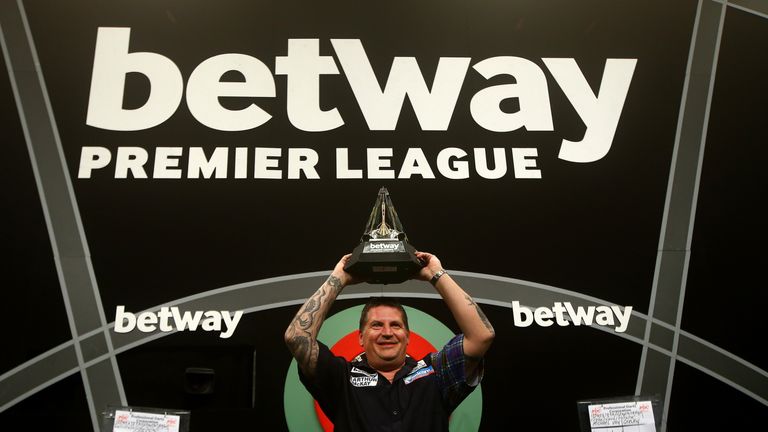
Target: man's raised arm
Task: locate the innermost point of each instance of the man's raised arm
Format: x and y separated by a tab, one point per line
301	334
478	331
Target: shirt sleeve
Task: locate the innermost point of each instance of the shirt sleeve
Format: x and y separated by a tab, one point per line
326	385
450	367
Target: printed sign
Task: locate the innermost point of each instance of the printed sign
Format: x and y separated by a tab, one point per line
622	417
132	421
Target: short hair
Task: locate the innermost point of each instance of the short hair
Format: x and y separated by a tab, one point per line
382	301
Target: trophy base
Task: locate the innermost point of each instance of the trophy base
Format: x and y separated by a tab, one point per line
384	261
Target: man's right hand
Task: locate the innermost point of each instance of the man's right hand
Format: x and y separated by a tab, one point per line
342	275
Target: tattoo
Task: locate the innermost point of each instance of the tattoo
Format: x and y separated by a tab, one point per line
301	336
480	313
335	283
302	349
306	316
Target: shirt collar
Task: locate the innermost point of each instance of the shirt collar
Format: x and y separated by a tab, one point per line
361	361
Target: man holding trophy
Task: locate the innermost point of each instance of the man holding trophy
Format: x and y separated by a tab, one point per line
383	389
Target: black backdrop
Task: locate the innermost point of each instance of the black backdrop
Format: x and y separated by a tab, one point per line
588	227
591	228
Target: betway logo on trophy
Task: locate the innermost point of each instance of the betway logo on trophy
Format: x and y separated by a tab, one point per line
385	247
384	254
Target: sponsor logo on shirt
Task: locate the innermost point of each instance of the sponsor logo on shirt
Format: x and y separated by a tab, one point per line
364	381
420	365
363	378
362	372
421	373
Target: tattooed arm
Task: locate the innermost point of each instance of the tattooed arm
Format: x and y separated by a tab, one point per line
478	331
301	334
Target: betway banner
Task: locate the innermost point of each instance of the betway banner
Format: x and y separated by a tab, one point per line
239	140
215	144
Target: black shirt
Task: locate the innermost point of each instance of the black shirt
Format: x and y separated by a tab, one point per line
355	397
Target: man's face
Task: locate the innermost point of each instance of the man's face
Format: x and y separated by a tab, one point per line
384	338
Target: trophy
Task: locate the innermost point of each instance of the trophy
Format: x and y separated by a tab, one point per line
384	254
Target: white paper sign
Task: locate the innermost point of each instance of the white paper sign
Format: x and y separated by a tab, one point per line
622	417
132	421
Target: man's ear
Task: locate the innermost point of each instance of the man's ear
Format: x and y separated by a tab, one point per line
360	337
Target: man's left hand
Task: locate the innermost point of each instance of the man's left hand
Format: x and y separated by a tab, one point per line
431	263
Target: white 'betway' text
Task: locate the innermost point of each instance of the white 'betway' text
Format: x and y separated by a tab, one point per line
169	319
564	314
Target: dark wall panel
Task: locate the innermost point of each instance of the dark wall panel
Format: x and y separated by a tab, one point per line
701	402
62	404
725	298
31	293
